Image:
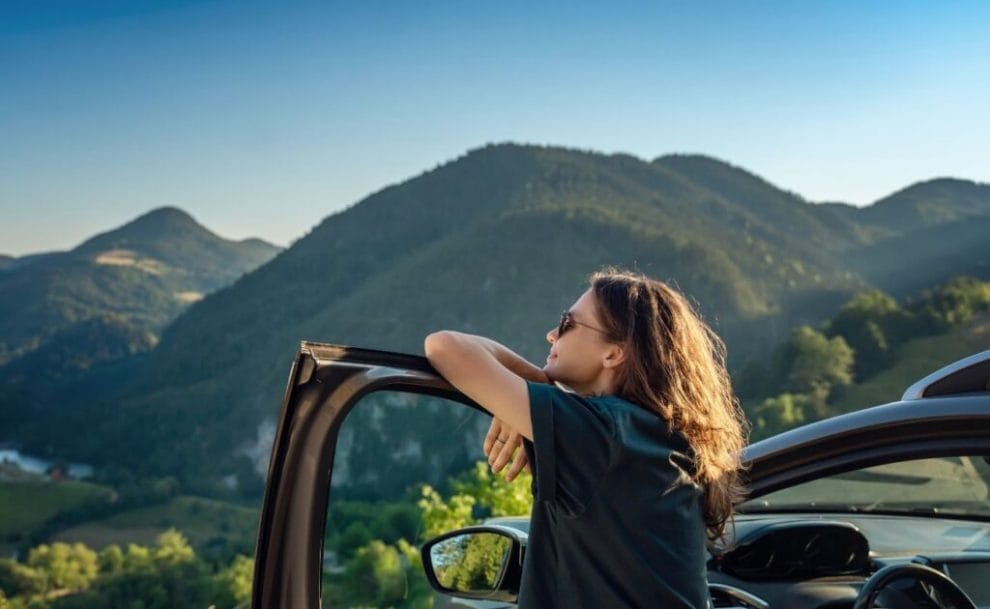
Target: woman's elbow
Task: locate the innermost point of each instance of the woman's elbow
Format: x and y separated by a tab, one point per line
435	343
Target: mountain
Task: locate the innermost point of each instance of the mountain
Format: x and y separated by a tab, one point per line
144	272
496	242
776	214
905	264
931	228
927	204
72	322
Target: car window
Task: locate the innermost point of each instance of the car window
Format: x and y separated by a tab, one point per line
400	460
949	486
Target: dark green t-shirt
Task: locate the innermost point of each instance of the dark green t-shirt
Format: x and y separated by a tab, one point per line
617	521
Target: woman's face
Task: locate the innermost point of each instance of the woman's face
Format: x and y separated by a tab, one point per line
577	357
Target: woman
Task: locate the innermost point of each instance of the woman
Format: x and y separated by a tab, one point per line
636	462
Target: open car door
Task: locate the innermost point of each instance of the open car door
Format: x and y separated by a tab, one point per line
325	383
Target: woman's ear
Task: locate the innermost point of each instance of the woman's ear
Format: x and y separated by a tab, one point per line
615	355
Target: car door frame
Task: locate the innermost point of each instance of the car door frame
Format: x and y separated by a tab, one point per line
325	382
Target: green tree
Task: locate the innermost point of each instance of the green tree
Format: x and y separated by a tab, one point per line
872	324
137	559
440	516
17	579
395	521
956	302
817	361
477	494
69	567
382	575
186	583
166	575
355	523
172	548
132	590
356	535
377	573
111	560
493	494
779	413
233	584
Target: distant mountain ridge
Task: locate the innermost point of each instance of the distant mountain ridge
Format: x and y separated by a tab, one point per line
145	271
173	237
497	242
112	295
928	203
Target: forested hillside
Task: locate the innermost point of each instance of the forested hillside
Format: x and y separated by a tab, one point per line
498	242
868	353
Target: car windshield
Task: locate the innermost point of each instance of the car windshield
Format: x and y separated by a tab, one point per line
946	486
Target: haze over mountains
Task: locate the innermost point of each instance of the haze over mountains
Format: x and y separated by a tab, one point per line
498	242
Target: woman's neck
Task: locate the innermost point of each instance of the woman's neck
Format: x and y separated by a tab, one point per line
603	385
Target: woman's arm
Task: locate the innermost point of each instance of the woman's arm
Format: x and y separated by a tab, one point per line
488	373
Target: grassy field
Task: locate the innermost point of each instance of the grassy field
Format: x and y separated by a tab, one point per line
27	504
915	360
210	526
213	527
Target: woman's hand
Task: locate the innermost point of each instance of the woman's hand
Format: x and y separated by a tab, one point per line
499	445
499	453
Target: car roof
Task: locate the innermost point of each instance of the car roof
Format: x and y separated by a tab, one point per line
968	375
951	405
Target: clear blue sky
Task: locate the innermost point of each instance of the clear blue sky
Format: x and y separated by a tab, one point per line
261	118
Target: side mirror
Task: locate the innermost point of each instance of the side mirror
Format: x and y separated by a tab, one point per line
479	562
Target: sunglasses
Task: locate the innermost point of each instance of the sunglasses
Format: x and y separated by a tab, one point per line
567	322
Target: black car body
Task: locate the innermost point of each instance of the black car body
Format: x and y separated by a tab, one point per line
831	503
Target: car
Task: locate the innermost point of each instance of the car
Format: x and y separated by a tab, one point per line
886	506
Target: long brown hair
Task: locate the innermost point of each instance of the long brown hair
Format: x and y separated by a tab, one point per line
676	366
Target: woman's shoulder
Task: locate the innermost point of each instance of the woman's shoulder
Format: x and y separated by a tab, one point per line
626	408
641	421
626	417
